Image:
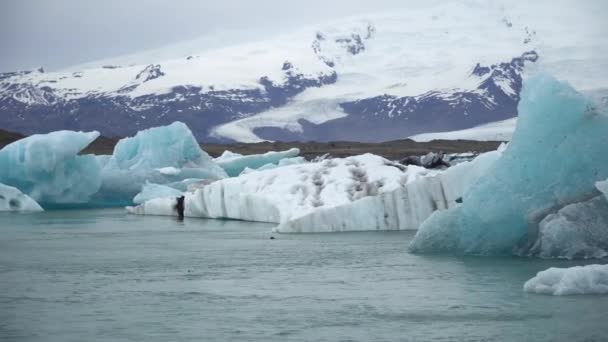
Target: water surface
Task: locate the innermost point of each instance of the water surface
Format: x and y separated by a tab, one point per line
100	275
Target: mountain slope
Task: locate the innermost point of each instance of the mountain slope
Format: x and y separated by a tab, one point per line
388	76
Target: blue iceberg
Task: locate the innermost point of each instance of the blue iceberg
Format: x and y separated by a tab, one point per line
11	199
47	168
557	154
234	163
161	155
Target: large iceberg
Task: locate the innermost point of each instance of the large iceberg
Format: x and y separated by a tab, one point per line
557	153
47	168
277	195
578	280
234	164
401	208
11	199
161	155
365	192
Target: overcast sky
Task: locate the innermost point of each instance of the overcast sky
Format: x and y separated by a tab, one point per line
60	33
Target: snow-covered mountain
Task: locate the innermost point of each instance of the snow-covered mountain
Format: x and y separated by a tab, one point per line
387	76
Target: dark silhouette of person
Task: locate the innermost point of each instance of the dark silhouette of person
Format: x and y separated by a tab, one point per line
179	206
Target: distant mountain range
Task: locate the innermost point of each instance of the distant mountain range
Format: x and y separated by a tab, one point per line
383	78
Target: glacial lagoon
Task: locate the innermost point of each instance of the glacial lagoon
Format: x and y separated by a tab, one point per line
103	275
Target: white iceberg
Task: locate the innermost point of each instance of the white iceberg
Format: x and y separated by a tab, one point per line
401	208
578	280
11	199
365	192
554	159
160	155
234	164
47	167
276	195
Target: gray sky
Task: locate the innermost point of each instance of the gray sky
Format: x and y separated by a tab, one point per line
60	33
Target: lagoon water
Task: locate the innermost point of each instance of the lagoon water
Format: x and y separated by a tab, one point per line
101	275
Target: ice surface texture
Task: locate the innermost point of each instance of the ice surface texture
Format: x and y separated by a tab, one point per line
160	155
234	163
11	199
555	157
47	167
590	279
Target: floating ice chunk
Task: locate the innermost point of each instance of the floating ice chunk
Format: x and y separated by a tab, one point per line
278	194
234	163
403	208
578	280
364	192
11	199
151	191
47	167
154	155
541	170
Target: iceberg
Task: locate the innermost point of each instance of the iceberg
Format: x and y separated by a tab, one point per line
47	168
276	195
554	159
160	155
11	199
365	192
403	208
578	280
151	191
234	164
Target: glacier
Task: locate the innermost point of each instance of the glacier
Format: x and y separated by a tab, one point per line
234	164
554	159
11	199
47	168
578	280
160	155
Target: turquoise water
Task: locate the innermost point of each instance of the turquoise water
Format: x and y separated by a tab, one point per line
100	275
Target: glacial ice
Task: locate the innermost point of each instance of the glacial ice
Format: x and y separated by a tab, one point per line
161	155
578	230
234	163
11	199
278	194
554	159
47	167
365	192
578	280
151	191
402	208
